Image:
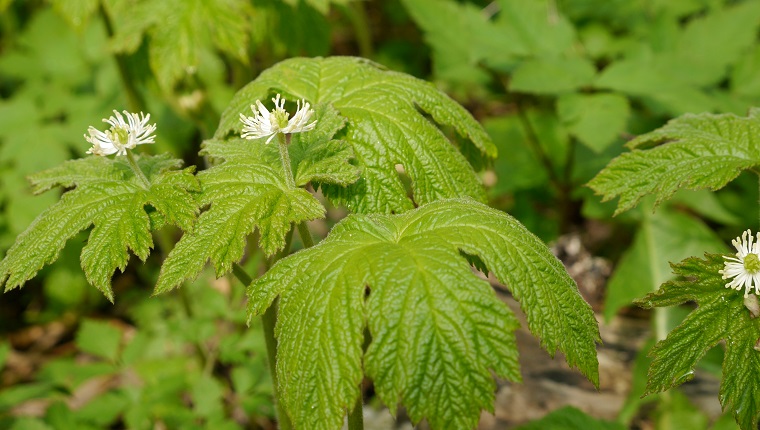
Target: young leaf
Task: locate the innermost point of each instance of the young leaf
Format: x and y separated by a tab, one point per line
109	196
437	329
720	316
248	190
386	125
692	151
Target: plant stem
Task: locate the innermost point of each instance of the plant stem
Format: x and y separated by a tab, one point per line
135	168
356	416
355	13
269	319
283	141
535	145
306	239
134	98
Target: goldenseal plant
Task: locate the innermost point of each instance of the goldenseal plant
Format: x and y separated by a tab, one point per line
390	294
696	152
114	196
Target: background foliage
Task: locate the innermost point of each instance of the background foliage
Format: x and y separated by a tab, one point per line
559	86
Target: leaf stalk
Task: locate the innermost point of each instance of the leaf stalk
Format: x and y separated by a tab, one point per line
269	319
136	169
356	416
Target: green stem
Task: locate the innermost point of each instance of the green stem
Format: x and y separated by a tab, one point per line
135	168
134	98
535	145
355	13
356	416
283	140
758	196
269	320
306	239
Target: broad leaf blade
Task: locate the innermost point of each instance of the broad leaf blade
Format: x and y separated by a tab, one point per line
317	157
108	195
720	315
437	330
386	127
692	151
243	194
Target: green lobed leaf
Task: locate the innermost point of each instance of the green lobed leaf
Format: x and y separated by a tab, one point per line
437	329
720	316
248	191
109	196
692	151
386	125
317	157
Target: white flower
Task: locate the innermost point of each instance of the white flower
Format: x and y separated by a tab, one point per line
122	135
745	267
264	123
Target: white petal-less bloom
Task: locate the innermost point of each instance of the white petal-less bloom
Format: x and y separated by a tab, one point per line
122	135
264	123
744	268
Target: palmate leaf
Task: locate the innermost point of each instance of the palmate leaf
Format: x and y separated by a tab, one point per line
248	190
437	329
720	316
692	151
109	196
386	126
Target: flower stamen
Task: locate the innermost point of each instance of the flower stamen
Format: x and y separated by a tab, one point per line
744	268
264	123
122	135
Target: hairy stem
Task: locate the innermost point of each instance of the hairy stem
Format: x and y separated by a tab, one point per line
134	98
306	239
135	168
269	319
283	141
356	416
